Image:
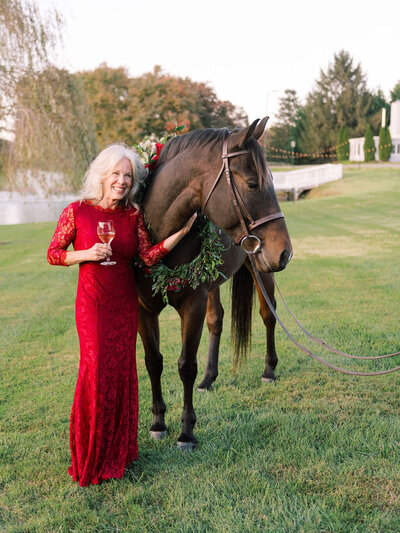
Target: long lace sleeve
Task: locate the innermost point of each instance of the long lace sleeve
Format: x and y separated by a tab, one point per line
148	253
62	238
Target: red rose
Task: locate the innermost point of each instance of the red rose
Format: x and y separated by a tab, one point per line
152	165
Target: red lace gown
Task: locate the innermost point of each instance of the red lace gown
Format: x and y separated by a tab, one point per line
104	418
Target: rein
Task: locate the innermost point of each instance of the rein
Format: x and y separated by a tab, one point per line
324	344
306	350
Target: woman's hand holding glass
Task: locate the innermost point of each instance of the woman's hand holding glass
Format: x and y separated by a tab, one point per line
106	233
98	252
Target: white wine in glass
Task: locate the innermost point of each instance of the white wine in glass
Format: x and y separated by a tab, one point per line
106	233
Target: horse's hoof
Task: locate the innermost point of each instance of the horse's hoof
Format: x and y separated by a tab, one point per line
268	380
205	385
158	435
185	446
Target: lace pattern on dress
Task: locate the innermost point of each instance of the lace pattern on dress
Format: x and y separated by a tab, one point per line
149	254
62	238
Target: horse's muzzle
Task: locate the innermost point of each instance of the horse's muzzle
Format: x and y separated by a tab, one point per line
265	263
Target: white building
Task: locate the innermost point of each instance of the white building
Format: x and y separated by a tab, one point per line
357	144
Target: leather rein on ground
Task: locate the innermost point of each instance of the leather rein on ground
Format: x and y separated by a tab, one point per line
243	239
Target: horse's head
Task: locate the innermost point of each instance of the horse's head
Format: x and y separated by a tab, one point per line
245	204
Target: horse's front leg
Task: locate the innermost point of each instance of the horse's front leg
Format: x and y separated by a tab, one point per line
214	318
192	312
150	334
271	358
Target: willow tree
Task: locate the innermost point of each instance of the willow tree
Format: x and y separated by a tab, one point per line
30	89
55	135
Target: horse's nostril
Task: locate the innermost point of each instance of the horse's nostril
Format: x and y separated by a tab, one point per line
286	256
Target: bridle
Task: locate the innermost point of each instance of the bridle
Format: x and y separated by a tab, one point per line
250	243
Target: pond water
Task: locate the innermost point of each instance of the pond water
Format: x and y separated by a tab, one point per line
16	208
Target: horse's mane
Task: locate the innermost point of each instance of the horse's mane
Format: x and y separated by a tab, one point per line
193	139
211	136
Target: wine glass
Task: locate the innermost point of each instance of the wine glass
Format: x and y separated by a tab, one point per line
106	233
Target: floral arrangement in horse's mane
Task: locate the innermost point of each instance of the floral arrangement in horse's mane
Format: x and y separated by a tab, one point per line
204	266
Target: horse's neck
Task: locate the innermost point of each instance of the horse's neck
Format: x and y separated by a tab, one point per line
175	195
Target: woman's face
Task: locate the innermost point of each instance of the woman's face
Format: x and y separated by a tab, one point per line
118	184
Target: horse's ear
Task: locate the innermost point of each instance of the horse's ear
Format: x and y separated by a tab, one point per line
260	128
239	138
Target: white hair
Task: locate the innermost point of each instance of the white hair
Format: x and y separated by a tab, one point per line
103	165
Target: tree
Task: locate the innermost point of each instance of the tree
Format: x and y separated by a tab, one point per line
346	144
287	127
339	98
109	93
388	143
342	146
339	144
54	130
127	109
4	156
395	93
27	35
377	103
43	109
385	144
369	145
382	138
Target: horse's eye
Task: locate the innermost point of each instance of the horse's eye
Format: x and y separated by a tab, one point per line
252	185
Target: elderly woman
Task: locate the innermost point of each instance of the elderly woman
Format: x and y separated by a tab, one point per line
104	418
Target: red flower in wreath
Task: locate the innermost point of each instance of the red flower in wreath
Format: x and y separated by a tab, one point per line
152	165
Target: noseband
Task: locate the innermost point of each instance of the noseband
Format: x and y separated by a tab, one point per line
250	243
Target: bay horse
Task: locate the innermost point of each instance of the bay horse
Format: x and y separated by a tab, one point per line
188	178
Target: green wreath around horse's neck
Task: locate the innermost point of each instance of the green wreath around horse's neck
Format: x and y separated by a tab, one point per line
204	267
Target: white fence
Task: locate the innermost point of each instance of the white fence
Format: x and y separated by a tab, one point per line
304	179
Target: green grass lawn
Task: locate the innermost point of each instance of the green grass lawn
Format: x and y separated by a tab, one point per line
315	452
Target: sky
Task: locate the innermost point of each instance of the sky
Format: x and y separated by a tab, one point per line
249	51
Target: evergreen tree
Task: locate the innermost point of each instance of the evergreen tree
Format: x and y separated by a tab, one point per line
382	139
343	146
385	144
287	126
346	144
388	144
378	102
369	145
339	145
339	98
395	93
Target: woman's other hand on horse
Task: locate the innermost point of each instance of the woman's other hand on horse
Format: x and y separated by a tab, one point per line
186	228
171	241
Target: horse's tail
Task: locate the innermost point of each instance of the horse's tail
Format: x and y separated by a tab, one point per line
242	306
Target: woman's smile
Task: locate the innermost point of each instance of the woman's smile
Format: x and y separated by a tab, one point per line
117	185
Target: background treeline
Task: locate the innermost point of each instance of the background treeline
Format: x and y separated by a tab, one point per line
55	121
126	108
339	106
